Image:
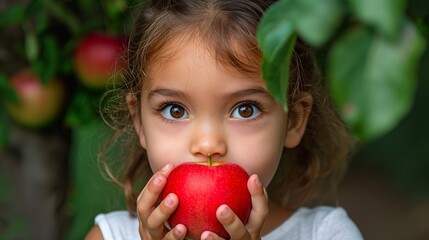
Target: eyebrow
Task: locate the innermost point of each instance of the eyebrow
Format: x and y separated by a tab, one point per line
238	94
167	93
250	91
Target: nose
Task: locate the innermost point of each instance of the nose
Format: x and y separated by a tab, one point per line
208	139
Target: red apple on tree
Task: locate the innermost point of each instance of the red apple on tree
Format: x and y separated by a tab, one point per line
201	189
38	104
98	58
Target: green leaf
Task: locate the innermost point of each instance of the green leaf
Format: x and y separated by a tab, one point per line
32	47
12	15
315	21
115	8
373	79
4	128
47	66
9	95
50	49
6	90
41	22
82	110
385	15
276	38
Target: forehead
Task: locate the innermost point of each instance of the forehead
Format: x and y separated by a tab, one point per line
232	58
193	54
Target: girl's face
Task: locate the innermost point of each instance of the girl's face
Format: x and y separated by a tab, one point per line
192	107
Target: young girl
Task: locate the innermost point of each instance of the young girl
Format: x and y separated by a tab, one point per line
193	89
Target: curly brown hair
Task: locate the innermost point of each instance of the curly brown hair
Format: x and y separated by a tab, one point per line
228	29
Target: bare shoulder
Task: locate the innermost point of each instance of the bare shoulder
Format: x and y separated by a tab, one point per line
94	234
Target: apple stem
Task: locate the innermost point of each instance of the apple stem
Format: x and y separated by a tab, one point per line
209	159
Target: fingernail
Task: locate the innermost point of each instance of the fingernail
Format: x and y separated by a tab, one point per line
169	200
177	231
166	167
157	180
207	236
257	181
224	212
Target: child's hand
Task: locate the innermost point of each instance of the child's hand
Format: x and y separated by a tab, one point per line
152	216
233	225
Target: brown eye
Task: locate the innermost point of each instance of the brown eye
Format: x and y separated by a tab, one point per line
174	112
177	111
246	111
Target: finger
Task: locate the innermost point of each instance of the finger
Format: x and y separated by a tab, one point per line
231	223
164	171
149	195
210	236
162	212
259	205
178	232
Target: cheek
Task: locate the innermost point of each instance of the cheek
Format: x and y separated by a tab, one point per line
161	148
162	151
259	156
155	162
264	165
261	152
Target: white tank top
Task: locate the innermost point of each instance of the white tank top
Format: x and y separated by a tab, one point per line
305	224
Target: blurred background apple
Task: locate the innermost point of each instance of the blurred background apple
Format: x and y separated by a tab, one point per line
37	104
98	59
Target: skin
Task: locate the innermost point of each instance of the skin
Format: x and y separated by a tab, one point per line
192	107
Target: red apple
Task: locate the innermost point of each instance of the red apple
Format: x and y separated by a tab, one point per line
98	58
38	104
201	189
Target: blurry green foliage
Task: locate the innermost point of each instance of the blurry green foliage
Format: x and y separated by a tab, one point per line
403	152
50	32
6	90
386	16
373	78
376	59
92	192
374	50
10	95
